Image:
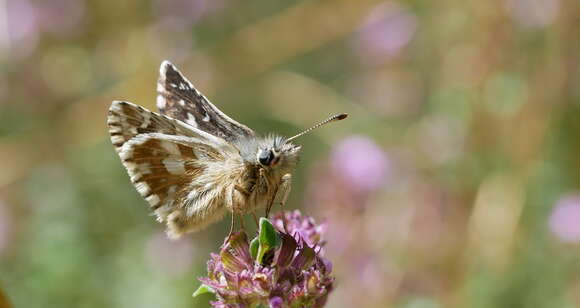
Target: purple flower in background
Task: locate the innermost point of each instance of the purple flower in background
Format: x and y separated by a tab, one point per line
361	163
27	20
274	270
51	17
22	26
564	221
385	32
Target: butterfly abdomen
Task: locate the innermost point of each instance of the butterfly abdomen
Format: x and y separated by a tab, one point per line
206	197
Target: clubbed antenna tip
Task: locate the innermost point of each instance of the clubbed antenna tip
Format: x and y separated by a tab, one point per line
341	116
336	117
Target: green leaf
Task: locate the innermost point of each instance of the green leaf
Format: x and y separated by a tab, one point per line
268	239
261	252
254	245
203	289
268	235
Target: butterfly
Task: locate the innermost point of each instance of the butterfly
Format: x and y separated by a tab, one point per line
192	163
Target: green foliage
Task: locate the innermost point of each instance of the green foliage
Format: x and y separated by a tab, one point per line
268	239
254	247
202	289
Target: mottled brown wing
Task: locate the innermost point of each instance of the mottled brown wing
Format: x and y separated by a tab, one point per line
179	99
127	120
163	157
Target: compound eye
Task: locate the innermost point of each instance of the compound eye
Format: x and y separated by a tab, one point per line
265	157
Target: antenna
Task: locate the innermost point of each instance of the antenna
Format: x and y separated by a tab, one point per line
336	117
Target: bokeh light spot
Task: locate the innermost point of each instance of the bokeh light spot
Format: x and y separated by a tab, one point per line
564	222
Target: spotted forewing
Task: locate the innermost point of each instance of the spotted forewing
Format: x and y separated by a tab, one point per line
178	99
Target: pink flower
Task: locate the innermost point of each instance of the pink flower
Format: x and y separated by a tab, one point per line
564	221
361	163
275	270
51	17
23	27
385	32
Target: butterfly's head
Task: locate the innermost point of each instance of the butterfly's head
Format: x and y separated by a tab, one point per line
277	152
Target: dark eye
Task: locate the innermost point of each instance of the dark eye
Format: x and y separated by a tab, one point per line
265	157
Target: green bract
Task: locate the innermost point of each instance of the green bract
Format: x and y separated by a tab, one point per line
203	289
268	239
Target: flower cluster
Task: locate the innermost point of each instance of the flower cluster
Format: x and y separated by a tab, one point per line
276	269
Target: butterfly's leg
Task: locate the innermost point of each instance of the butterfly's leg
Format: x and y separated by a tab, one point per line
269	206
232	225
284	189
281	193
241	217
237	208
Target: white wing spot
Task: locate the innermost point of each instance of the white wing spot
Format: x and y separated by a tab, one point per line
173	166
173	85
126	153
206	118
131	166
181	102
146	120
113	119
191	120
142	188
170	147
163	68
113	130
117	139
161	102
116	106
153	200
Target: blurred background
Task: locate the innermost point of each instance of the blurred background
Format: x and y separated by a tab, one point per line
454	183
